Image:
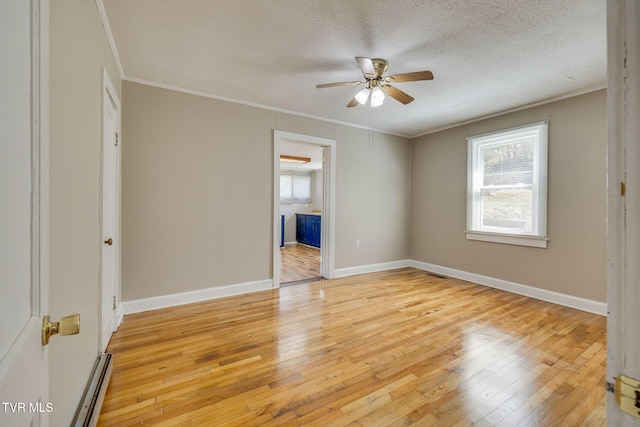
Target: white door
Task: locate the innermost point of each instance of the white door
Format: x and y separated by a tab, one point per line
23	213
110	237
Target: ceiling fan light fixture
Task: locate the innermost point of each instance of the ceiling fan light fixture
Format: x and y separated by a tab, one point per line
378	84
362	96
377	97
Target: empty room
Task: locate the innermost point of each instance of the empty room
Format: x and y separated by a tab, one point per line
323	213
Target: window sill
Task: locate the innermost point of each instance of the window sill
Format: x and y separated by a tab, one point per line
536	242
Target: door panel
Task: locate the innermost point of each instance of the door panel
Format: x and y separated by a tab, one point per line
23	359
309	230
110	238
300	228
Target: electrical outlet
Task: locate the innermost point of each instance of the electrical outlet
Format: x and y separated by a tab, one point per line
357	243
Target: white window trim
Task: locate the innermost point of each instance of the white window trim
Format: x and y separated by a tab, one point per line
539	239
520	240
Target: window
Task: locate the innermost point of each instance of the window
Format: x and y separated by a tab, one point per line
295	187
507	186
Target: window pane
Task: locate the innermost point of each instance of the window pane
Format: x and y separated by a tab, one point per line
285	189
302	188
508	208
508	164
295	187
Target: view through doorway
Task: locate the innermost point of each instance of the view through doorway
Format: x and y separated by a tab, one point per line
301	202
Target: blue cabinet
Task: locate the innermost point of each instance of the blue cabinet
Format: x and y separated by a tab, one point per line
300	231
308	229
282	231
312	230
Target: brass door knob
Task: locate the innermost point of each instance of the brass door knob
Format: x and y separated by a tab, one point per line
109	241
68	325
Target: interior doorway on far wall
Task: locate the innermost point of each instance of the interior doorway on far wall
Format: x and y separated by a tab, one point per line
304	208
301	200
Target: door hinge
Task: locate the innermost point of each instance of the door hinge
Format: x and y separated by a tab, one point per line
117	138
627	391
623	189
114	302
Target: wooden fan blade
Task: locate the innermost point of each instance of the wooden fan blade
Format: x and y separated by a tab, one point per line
409	77
366	65
338	84
397	94
353	103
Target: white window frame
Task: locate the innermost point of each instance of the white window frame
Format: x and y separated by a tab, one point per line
475	170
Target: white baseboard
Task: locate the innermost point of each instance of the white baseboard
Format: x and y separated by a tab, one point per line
371	268
154	303
583	304
119	315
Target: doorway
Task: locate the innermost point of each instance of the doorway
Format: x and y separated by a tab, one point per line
301	199
303	228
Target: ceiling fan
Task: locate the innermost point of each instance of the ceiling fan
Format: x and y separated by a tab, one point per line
377	84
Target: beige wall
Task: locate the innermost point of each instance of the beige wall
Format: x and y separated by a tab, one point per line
189	223
197	192
575	261
78	51
373	189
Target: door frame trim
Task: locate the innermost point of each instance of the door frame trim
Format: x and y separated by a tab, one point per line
623	227
327	248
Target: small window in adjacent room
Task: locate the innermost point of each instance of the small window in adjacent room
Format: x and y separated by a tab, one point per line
507	186
295	187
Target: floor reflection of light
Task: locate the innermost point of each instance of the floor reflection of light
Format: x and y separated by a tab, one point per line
291	344
292	339
492	365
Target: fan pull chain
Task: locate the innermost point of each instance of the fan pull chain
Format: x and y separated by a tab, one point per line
371	132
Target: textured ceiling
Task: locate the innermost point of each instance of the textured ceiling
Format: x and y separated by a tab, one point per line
487	56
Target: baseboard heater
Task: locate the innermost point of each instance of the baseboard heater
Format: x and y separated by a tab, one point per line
89	411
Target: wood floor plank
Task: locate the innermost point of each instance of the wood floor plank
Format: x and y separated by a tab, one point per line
299	262
400	347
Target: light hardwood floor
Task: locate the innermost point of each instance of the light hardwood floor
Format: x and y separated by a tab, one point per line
393	348
299	262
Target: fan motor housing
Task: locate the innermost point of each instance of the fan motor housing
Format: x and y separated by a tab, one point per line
380	66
